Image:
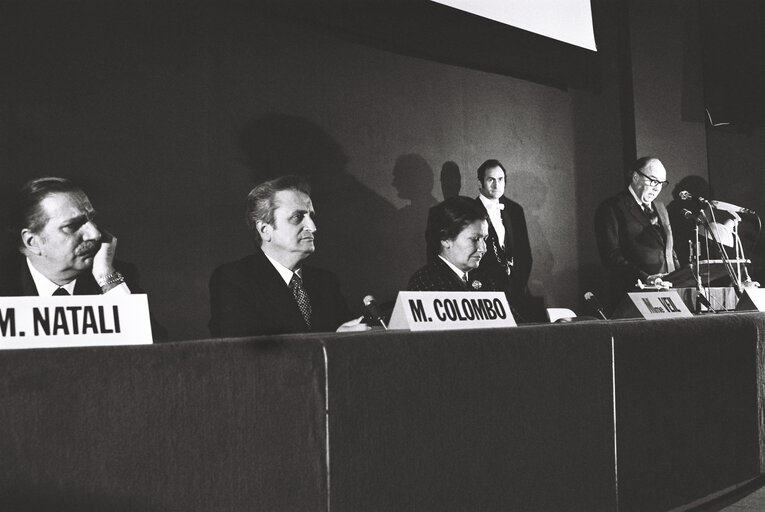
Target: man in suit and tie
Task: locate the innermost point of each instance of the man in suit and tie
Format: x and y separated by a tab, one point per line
60	249
272	291
633	232
508	252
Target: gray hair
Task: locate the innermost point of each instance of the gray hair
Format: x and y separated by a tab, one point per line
261	205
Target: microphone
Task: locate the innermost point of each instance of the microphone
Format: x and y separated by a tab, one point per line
719	205
685	196
371	309
692	216
731	208
594	303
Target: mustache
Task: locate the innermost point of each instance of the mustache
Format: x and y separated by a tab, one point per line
87	248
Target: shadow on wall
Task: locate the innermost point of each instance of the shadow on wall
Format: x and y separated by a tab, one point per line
451	179
361	237
413	179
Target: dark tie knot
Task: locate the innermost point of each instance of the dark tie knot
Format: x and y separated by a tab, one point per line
60	292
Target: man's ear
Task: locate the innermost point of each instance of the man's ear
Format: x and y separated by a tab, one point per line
264	230
446	244
30	241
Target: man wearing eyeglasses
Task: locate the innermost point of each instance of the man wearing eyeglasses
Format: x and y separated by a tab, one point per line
633	232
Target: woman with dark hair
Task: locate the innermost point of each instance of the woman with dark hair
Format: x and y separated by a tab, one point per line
456	233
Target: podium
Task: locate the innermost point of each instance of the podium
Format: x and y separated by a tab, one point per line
709	272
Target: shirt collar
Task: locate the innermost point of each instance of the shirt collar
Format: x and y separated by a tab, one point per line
457	271
285	273
490	203
635	197
46	287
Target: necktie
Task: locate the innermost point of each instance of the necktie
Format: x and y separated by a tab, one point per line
60	292
651	213
653	217
301	297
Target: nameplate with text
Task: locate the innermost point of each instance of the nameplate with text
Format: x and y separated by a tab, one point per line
660	304
426	311
76	321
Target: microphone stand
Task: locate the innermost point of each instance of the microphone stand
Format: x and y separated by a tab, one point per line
695	264
723	254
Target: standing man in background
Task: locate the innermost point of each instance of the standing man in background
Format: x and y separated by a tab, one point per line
508	252
633	232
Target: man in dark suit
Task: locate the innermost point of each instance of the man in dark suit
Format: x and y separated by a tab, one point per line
271	291
61	250
633	232
508	252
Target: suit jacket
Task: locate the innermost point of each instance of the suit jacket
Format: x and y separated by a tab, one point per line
437	276
629	246
517	249
16	281
248	297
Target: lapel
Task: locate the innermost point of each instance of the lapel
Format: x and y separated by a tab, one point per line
507	222
640	216
267	282
661	211
454	281
27	286
504	215
634	209
86	285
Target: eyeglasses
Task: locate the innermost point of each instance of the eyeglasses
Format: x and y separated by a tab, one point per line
653	181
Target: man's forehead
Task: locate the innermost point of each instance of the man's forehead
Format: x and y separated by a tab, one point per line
66	204
656	169
495	172
293	200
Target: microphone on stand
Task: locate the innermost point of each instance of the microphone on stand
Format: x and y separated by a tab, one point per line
685	196
373	311
691	216
594	303
719	205
731	208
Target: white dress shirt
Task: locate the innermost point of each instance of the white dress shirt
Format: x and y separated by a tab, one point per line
46	287
494	209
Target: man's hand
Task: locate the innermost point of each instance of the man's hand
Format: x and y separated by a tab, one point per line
655	280
354	325
103	261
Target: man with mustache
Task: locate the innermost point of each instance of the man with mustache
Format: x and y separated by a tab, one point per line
633	233
64	252
61	250
271	291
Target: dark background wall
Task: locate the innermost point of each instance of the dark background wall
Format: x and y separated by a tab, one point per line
168	113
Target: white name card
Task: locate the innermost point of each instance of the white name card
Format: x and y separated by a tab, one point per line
76	321
753	299
661	304
427	311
